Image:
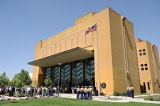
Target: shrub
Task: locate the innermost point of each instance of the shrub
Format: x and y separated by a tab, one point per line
120	94
117	94
124	94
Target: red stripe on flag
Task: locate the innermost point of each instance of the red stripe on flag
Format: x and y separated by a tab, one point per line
91	29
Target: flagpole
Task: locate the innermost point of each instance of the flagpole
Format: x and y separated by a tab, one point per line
91	29
97	52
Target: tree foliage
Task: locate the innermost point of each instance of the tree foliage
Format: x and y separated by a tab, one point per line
21	79
4	80
48	82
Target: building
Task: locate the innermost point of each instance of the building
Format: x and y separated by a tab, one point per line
149	66
104	58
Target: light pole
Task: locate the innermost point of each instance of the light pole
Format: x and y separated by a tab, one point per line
59	77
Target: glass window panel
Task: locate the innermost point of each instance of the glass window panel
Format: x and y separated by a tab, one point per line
48	72
56	75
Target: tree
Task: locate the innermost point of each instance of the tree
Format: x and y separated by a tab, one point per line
17	82
4	80
21	79
48	82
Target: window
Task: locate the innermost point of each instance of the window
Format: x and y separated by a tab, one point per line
144	67
148	85
144	86
48	72
142	52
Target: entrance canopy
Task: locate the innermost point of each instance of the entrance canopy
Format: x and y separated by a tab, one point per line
63	57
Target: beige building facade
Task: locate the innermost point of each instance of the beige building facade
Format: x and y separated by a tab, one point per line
105	56
149	66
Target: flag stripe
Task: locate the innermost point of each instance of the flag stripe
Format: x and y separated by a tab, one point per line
91	29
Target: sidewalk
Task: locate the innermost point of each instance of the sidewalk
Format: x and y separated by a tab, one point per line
120	99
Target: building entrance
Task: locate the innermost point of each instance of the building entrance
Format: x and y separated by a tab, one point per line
71	75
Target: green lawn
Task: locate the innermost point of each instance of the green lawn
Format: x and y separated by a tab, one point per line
151	97
66	102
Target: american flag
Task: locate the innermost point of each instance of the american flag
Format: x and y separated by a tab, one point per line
91	29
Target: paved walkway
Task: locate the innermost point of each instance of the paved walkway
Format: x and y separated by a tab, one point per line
120	99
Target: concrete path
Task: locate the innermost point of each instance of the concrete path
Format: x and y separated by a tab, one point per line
121	99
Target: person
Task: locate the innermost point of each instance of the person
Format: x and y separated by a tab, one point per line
10	90
90	92
85	92
128	91
78	92
43	92
54	90
132	91
0	92
72	88
39	90
82	92
75	89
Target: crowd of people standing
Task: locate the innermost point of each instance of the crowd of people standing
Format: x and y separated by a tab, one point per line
84	92
29	91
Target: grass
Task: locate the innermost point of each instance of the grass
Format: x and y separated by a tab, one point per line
67	102
151	97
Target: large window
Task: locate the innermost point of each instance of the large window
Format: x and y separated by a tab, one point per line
65	74
79	67
75	73
48	72
56	75
89	72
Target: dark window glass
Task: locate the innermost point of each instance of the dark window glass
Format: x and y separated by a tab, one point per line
87	70
144	86
92	66
72	74
79	66
65	75
56	75
148	85
48	72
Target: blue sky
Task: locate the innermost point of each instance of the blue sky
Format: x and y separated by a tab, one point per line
25	22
